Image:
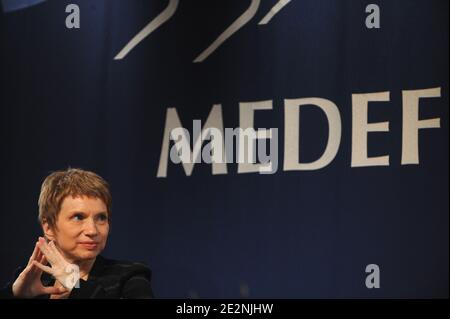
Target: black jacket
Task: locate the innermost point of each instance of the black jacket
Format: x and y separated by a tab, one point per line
108	279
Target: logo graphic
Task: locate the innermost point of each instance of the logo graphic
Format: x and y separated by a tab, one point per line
170	10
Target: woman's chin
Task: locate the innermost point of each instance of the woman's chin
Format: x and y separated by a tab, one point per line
87	254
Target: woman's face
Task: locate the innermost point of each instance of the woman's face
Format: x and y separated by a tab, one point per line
82	228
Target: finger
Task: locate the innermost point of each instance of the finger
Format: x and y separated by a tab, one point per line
38	258
42	261
56	252
30	269
33	255
43	246
51	252
39	255
47	269
54	290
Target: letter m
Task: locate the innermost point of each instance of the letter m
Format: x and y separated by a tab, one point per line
214	121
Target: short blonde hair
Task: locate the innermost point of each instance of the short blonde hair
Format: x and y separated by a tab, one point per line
71	182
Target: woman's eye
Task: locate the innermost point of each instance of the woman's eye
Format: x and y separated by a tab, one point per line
77	217
102	217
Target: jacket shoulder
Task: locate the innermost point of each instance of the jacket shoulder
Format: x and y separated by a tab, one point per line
124	269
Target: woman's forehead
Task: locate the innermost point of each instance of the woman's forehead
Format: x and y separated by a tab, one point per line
83	204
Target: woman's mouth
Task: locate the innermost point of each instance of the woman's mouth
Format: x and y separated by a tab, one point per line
89	245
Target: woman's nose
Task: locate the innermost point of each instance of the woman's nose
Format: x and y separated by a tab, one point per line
91	227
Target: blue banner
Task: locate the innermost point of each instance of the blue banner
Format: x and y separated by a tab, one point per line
348	195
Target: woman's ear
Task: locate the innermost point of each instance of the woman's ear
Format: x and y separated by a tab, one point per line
48	230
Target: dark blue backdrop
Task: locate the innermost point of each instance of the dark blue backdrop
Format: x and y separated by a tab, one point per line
65	102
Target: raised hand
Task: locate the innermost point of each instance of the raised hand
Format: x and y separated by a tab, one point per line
28	284
65	273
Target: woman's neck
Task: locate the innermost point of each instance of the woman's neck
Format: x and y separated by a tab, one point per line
85	267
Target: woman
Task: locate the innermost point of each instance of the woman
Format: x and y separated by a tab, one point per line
75	215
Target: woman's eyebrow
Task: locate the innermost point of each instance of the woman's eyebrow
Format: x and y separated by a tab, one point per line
77	212
74	212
